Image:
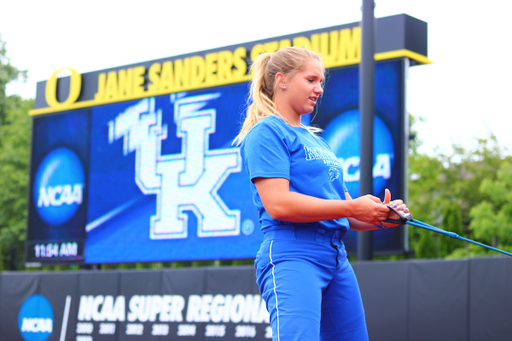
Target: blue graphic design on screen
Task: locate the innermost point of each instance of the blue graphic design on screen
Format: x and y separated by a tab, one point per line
58	186
35	318
341	98
181	182
343	134
180	190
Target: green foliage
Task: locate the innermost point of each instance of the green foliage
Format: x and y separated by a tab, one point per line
414	140
492	218
7	73
14	164
452	221
426	246
14	158
424	190
468	191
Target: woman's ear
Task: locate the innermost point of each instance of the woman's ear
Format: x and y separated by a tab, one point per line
280	81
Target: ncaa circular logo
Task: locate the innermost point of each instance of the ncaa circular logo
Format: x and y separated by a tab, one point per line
35	318
343	134
58	186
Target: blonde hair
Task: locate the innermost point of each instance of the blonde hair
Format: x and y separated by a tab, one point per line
288	61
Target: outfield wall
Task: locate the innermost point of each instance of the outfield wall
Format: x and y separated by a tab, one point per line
467	299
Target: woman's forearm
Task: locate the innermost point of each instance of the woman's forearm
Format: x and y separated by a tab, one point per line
300	208
281	204
358	225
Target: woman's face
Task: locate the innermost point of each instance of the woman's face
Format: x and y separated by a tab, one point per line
304	88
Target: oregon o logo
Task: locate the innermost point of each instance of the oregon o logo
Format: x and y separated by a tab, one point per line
35	318
74	89
344	136
58	186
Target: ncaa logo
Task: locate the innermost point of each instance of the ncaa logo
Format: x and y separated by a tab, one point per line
35	318
343	134
58	186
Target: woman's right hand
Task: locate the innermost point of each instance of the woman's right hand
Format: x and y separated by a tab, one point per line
369	209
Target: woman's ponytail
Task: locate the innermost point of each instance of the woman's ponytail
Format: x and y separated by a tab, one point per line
261	93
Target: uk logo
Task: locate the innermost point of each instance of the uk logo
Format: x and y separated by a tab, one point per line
188	181
334	173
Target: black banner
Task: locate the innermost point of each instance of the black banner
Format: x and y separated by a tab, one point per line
466	299
188	304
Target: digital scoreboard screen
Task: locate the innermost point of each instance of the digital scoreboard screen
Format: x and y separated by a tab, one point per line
136	163
158	178
58	187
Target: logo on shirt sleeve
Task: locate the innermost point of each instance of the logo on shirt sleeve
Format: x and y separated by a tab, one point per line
334	173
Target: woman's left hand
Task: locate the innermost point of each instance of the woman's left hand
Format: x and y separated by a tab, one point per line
397	204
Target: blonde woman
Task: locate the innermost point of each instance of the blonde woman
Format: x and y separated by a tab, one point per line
305	209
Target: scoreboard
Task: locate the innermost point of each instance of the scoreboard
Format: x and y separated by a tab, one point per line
137	163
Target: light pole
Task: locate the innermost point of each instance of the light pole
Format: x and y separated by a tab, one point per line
367	111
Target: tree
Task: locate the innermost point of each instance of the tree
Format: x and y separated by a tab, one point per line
465	170
443	189
7	73
14	165
423	201
492	218
452	221
14	160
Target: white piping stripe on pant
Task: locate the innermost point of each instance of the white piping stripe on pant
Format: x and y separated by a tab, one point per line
275	293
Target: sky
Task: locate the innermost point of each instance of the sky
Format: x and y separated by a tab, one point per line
465	94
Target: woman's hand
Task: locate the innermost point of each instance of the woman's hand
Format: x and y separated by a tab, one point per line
369	209
397	204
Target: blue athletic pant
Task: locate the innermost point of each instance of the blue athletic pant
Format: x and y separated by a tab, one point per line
309	286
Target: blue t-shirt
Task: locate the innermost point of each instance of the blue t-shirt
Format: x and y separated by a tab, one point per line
274	149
